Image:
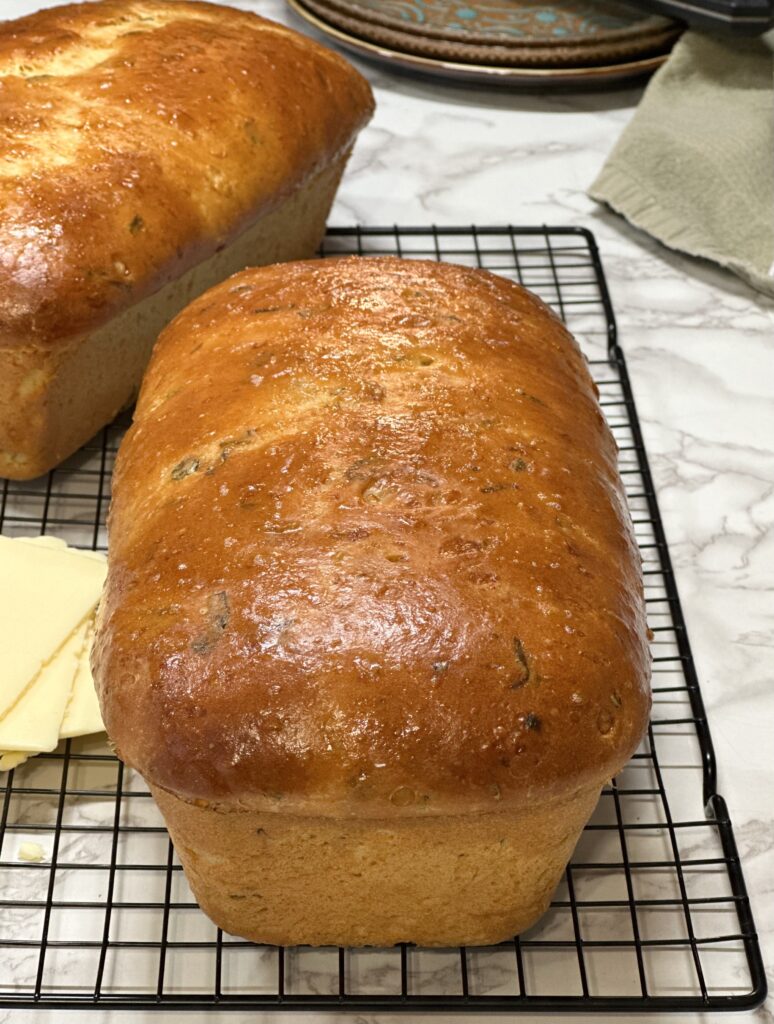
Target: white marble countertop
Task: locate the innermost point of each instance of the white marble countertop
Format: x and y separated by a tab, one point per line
700	349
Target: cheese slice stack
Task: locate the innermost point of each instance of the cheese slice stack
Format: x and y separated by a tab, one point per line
47	606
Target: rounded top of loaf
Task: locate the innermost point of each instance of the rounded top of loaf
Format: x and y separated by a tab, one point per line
140	137
370	552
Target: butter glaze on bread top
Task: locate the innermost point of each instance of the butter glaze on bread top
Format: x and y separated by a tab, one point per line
369	551
200	118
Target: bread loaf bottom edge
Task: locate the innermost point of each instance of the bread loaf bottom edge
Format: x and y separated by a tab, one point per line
287	880
54	398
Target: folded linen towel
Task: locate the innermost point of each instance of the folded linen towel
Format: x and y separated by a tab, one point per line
695	167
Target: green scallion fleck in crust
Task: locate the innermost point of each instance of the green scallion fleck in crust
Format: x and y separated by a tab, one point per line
185	468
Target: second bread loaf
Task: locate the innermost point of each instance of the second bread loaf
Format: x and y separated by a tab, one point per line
149	148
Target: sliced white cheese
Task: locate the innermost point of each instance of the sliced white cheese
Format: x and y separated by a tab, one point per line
33	723
45	540
10	759
46	593
82	715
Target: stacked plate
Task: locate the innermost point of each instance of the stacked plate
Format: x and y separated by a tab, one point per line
503	41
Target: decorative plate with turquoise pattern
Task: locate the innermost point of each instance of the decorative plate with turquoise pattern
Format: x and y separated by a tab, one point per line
501	31
515	21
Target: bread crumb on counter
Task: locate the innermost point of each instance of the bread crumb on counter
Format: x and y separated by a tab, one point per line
31	852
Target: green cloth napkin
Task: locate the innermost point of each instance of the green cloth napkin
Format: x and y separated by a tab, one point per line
695	167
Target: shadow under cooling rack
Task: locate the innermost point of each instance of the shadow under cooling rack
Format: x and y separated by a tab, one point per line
652	913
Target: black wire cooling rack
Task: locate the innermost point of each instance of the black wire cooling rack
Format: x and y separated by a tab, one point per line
652	913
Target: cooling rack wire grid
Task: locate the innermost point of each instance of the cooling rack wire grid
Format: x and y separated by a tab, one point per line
652	912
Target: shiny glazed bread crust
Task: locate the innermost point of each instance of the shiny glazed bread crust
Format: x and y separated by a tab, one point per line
139	137
370	553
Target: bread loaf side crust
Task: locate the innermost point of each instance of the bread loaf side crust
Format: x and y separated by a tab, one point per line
139	137
460	879
370	552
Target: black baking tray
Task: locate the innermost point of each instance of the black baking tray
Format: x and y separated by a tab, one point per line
653	913
744	17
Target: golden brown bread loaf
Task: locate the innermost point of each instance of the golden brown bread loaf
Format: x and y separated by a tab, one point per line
374	626
148	149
